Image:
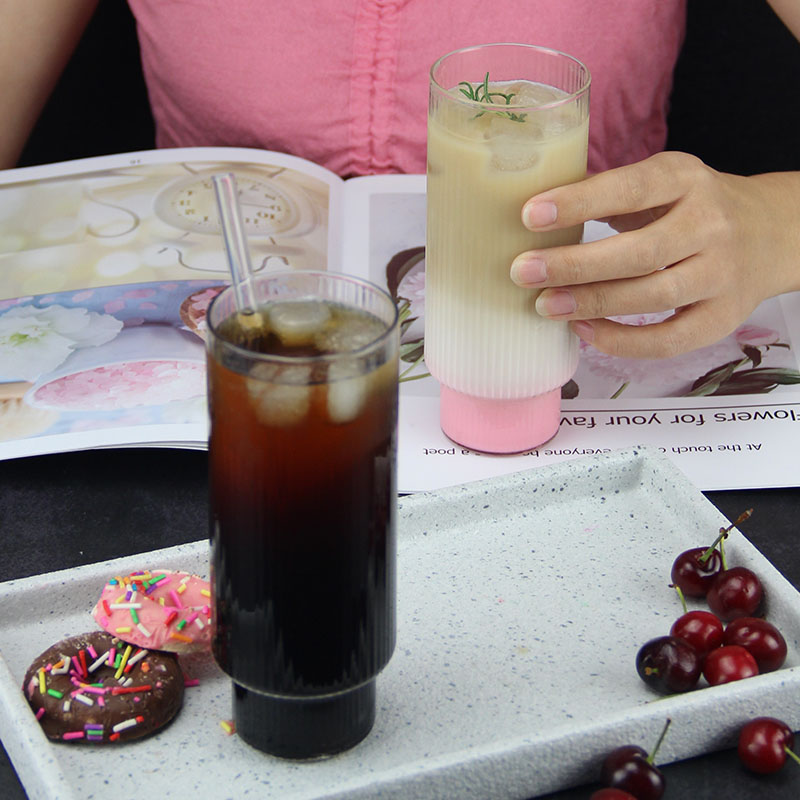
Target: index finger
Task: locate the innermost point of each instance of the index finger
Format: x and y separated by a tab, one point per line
656	181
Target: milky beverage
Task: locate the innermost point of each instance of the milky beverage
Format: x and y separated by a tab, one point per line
483	336
302	493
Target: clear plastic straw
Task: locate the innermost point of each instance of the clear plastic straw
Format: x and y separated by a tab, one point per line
235	242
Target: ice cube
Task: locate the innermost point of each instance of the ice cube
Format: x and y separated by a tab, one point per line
559	120
347	390
513	152
352	332
500	125
297	322
527	93
281	395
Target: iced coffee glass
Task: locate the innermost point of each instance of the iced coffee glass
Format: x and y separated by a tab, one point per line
505	121
303	412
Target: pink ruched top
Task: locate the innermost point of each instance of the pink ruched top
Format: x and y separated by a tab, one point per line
345	82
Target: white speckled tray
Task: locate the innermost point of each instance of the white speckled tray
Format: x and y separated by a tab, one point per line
522	603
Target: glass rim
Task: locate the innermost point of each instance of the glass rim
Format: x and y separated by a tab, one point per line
568	97
254	355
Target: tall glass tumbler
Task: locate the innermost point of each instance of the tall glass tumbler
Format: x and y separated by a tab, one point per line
505	121
303	411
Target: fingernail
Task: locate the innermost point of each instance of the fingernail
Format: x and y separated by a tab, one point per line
539	215
583	330
555	304
526	271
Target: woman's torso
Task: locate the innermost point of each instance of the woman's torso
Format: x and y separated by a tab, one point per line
345	83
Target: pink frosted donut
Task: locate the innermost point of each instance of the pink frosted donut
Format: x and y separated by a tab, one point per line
157	609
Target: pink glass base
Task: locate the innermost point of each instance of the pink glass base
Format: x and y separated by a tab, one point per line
499	426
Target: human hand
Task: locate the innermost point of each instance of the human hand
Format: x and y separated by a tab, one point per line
708	244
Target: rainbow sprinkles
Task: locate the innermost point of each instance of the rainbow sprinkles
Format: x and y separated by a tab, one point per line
157	609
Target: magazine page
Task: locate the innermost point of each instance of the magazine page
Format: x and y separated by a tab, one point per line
728	415
107	266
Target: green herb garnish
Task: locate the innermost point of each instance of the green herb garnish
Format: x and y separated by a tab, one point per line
480	94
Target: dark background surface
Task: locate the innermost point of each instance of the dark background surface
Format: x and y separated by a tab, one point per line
734	105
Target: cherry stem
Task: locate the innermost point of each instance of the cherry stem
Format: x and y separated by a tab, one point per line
718	541
723	534
680	595
792	754
652	757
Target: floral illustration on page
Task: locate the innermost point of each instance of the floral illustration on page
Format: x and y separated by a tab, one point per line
736	377
405	279
36	340
733	365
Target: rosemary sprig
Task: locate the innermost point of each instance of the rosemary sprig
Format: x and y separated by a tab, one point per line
480	93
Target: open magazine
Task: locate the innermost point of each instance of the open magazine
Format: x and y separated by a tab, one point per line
107	267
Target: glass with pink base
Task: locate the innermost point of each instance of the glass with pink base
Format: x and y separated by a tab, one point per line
505	122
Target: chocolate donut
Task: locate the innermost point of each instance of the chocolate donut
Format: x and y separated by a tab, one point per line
96	688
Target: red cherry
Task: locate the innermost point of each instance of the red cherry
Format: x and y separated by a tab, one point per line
693	571
693	574
729	663
702	629
628	768
611	794
761	638
762	744
735	592
668	664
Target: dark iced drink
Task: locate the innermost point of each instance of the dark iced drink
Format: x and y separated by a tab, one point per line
303	409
